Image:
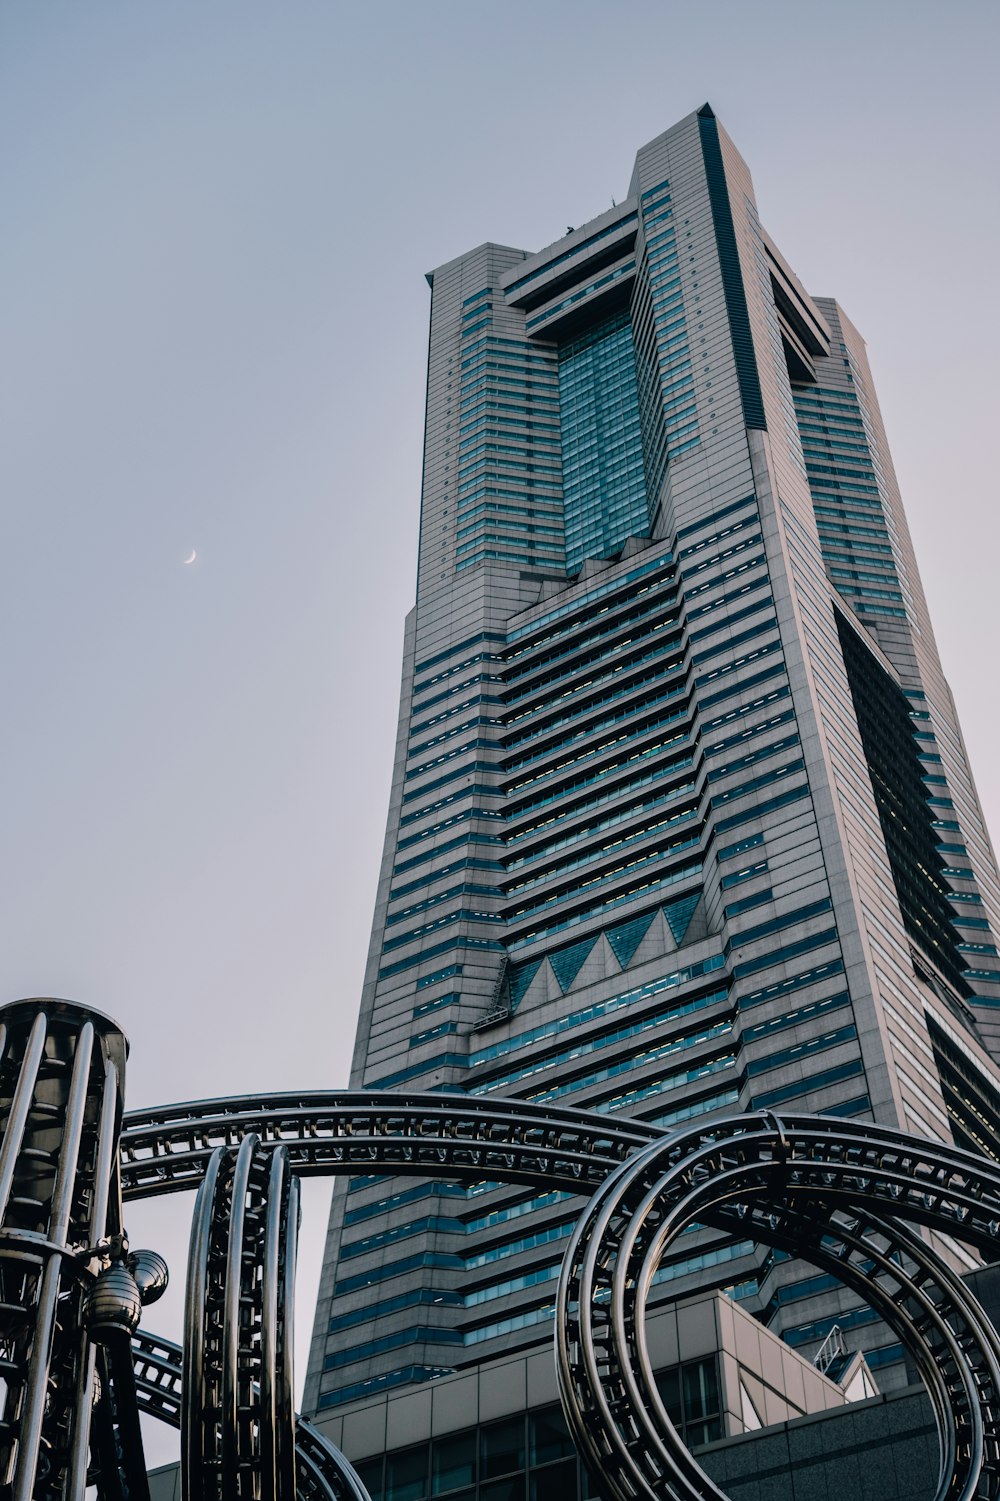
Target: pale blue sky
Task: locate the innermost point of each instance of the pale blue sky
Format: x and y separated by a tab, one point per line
214	224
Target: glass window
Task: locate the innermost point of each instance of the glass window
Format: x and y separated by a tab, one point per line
501	1448
453	1463
690	1393
589	1487
370	1474
668	1384
701	1390
555	1483
603	478
549	1436
510	1489
406	1474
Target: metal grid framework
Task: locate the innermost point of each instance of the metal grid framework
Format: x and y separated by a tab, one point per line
849	1197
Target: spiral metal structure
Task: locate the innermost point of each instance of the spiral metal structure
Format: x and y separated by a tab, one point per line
838	1194
852	1198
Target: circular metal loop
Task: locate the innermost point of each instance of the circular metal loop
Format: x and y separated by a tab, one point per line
860	1181
237	1415
823	1200
429	1135
322	1472
844	1194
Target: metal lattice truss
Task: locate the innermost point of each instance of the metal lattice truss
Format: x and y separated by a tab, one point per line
850	1198
167	1151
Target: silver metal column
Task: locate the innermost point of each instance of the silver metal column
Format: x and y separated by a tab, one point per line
237	1413
61	1093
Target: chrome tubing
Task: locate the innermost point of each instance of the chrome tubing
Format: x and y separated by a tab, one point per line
849	1197
61	1083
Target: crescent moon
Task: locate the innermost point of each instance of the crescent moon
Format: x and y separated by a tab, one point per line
191	558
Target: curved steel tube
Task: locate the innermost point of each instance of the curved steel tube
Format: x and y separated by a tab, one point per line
60	1115
858	1180
944	1187
240	1315
237	1415
277	1380
842	1194
201	1318
167	1151
322	1472
759	1174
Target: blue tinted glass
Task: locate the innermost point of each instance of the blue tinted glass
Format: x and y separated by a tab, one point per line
604	484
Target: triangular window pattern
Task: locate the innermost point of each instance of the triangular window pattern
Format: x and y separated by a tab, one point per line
626	938
521	976
679	915
566	963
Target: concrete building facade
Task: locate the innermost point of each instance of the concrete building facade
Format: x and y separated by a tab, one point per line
681	818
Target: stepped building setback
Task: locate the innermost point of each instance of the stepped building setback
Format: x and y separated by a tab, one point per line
681	820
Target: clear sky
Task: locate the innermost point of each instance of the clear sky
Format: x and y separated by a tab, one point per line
214	224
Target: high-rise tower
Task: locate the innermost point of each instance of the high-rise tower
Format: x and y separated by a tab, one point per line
681	819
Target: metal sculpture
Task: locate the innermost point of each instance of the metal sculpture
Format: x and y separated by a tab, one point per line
238	1336
76	1373
60	1241
835	1193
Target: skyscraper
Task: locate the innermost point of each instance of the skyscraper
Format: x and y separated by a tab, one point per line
681	819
